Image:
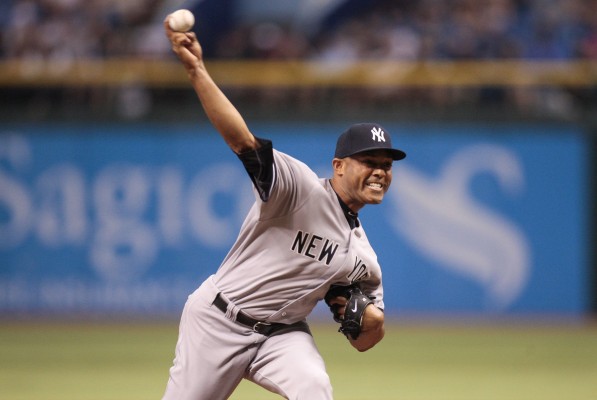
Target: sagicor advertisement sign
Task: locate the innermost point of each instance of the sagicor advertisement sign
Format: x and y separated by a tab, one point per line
119	219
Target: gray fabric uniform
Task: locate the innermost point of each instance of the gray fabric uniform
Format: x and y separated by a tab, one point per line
290	249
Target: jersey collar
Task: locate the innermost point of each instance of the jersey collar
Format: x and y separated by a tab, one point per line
351	216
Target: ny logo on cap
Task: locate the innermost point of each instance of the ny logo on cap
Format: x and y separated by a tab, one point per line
378	134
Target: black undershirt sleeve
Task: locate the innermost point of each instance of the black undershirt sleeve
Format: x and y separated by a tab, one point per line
259	164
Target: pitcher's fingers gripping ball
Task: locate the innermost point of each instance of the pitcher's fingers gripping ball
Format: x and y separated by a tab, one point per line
352	317
181	20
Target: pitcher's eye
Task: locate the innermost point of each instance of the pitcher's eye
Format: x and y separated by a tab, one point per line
375	165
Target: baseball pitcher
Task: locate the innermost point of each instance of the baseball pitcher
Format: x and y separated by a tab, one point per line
302	242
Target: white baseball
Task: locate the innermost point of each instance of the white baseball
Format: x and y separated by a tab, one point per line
181	20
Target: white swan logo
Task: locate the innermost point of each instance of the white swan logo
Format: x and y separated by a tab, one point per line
441	219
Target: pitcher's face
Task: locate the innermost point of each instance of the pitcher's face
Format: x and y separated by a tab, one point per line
365	177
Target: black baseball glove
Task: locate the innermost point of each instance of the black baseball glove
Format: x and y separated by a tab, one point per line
356	302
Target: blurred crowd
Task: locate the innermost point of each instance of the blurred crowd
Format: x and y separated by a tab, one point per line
391	29
63	29
407	29
433	29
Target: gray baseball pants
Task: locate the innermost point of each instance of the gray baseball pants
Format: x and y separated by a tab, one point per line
214	353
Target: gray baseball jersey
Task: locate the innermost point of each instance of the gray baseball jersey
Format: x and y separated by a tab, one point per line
290	249
293	247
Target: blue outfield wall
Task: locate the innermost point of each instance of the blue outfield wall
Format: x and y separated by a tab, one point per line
121	219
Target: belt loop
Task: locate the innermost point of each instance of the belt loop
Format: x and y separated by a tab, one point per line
231	311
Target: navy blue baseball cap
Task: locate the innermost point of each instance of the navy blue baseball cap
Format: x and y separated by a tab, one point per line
365	137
